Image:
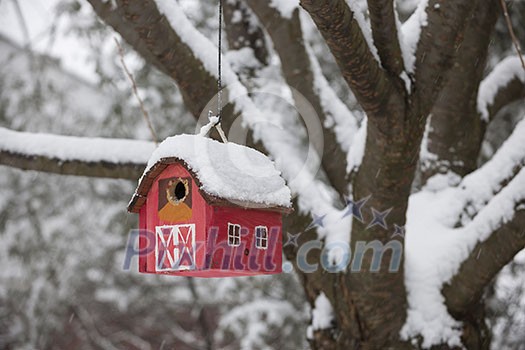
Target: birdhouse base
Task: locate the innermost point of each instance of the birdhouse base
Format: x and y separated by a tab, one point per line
215	273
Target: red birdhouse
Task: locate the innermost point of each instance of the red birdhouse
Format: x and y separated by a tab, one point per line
210	209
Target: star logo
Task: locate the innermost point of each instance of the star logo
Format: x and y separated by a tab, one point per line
317	222
292	239
379	218
354	208
399	231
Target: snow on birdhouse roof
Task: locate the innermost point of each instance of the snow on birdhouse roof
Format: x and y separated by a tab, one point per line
223	171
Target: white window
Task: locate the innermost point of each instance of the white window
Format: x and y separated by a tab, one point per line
234	235
261	237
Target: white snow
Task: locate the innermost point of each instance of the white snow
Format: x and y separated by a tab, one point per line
344	121
242	58
440	182
322	315
431	253
508	69
404	50
408	83
206	128
425	156
70	148
435	247
357	151
479	187
409	35
285	7
237	16
359	8
227	170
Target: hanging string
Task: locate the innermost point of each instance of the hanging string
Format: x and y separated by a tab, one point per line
215	121
219	79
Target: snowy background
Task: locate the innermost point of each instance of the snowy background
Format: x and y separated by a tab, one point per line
62	238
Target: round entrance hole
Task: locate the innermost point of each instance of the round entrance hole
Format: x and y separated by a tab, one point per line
177	191
180	191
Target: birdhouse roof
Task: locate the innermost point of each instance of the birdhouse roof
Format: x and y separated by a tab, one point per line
224	172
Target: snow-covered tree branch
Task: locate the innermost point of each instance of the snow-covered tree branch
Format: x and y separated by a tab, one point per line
504	84
490	203
484	262
68	155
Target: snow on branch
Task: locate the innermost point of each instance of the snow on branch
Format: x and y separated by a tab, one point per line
69	155
410	33
437	246
485	261
479	187
285	7
503	85
500	209
339	117
322	316
435	253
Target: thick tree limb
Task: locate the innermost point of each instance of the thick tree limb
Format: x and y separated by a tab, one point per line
385	175
384	31
484	262
456	131
68	155
343	35
101	169
438	44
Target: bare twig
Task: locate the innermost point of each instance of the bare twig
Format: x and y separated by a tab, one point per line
511	31
136	92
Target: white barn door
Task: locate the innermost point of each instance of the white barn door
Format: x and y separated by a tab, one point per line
175	247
